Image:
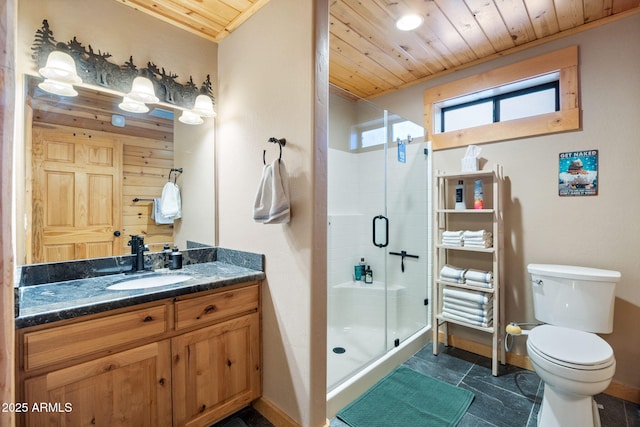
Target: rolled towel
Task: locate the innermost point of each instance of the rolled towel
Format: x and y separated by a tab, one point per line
452	280
478	284
478	275
474	296
452	272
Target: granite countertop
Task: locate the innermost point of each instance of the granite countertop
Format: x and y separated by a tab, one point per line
50	302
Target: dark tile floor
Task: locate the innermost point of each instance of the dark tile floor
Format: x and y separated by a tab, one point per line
512	399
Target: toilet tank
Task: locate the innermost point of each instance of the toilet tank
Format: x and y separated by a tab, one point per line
579	298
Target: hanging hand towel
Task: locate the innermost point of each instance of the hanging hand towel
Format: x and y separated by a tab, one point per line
271	204
170	203
156	213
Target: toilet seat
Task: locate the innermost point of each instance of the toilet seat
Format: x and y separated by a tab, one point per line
571	348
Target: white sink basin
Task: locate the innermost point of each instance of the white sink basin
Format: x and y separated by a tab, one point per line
149	282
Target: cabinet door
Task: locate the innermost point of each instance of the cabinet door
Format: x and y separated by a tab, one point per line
131	388
216	370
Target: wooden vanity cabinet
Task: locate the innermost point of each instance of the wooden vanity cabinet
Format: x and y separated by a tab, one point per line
189	361
129	388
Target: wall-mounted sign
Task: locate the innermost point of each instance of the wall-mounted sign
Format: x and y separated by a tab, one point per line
578	173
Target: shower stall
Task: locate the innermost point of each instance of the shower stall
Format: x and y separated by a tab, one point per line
379	172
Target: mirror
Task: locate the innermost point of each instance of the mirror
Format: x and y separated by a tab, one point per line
92	170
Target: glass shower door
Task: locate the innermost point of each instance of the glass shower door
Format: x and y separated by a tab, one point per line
377	207
407	251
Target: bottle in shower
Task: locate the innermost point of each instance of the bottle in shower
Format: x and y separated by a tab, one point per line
368	275
460	202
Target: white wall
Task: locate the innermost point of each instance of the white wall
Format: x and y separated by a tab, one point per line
268	89
541	227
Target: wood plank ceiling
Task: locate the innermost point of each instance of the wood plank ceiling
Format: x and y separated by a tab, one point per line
369	56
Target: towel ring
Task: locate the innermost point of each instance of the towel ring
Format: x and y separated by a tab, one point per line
281	143
175	177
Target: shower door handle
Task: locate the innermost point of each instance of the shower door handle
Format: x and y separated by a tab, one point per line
386	225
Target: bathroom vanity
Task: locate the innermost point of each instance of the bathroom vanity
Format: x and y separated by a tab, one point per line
187	354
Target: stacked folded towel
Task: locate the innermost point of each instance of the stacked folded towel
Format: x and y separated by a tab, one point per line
477	239
452	238
453	274
467	306
480	278
484	279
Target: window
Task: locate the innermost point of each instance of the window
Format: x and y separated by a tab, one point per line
375	133
533	97
517	104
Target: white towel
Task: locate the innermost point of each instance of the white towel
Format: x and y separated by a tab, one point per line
482	245
466	303
452	272
156	213
478	283
474	296
477	311
478	233
170	203
272	204
456	234
478	275
465	319
484	317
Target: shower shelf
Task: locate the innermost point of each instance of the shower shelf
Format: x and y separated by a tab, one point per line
488	259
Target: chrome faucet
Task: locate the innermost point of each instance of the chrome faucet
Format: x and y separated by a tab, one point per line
138	248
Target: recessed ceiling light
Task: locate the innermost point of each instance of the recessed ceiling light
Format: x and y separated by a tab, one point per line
409	22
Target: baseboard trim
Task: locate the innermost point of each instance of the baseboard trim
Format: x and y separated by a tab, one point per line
616	389
274	414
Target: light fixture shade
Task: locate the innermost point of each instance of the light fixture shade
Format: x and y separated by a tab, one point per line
190	118
61	68
204	106
409	22
142	91
133	106
58	88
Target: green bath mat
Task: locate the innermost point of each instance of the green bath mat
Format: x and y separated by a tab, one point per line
406	398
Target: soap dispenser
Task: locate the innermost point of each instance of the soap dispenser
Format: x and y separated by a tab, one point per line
175	259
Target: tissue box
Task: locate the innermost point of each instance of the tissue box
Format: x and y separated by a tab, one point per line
470	164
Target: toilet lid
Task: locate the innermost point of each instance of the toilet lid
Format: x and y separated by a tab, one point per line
570	346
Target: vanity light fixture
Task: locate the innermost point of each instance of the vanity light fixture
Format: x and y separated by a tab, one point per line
142	91
60	74
409	22
133	106
204	106
190	118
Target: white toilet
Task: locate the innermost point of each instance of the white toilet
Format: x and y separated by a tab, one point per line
573	362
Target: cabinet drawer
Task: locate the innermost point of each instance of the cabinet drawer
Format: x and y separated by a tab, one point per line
202	310
50	346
